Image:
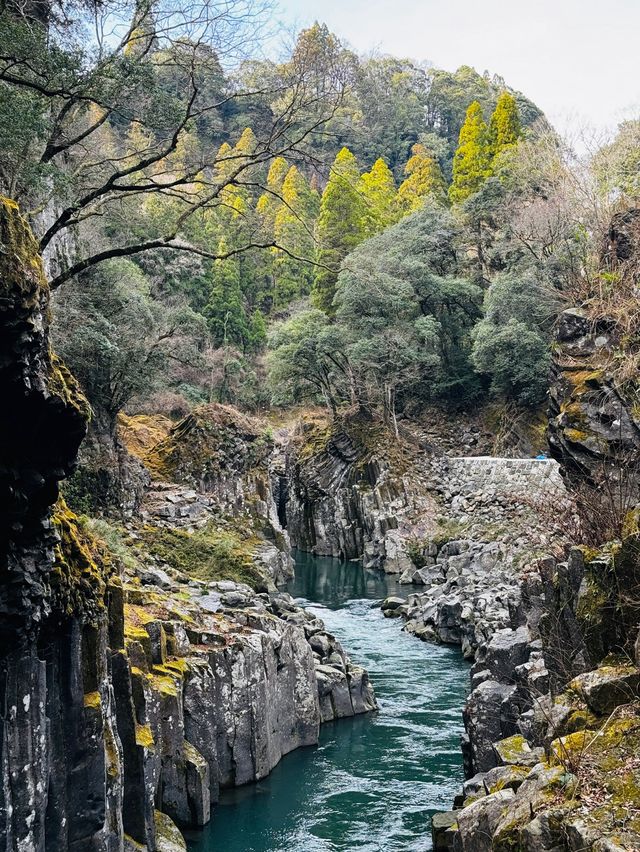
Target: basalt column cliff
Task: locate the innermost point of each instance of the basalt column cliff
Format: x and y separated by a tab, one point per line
131	693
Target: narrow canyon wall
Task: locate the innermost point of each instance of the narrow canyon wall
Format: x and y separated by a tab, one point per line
130	693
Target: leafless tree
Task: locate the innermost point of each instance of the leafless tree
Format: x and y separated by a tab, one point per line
118	90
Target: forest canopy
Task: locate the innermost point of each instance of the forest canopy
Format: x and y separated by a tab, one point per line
325	228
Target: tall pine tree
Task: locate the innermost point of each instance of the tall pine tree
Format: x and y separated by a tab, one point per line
271	200
225	312
293	231
341	226
472	160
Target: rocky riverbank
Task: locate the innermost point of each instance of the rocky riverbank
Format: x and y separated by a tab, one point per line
552	717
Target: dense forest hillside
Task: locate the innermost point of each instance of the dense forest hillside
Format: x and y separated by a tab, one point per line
269	170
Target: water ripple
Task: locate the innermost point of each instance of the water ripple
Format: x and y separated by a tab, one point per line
373	781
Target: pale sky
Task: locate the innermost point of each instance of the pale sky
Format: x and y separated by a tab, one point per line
578	60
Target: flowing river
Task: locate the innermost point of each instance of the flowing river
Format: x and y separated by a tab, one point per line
374	780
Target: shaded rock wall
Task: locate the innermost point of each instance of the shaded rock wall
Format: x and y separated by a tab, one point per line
593	424
53	586
383	499
349	493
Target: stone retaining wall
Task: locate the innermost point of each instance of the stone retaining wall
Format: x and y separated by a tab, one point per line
509	476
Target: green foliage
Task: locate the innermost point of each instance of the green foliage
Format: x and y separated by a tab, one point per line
617	165
472	160
504	127
237	379
116	338
403	316
391	99
511	343
293	231
517	359
423	180
300	361
378	189
227	183
408	312
208	554
450	96
270	201
342	225
229	322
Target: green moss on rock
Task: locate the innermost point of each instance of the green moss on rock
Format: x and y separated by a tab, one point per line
208	554
81	568
61	383
211	441
21	272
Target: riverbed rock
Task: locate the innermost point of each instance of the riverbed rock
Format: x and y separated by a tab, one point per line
477	823
443	828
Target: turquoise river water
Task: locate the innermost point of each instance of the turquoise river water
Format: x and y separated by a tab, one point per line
373	781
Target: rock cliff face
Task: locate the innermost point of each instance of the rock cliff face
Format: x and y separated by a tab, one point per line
131	691
593	424
553	720
343	497
353	490
223	461
53	588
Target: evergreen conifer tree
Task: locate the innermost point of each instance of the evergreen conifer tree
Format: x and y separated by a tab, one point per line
379	192
504	127
293	231
341	226
423	179
472	160
225	312
270	201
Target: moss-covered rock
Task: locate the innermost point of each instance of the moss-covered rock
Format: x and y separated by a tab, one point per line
211	442
211	553
141	432
82	566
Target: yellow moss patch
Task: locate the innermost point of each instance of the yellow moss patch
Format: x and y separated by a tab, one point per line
609	772
61	383
144	737
576	435
211	553
584	380
165	680
142	432
167	830
193	756
137	615
178	665
133	844
516	774
21	273
82	565
111	753
207	442
92	699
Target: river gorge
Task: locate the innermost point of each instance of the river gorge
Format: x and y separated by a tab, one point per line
169	668
374	780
